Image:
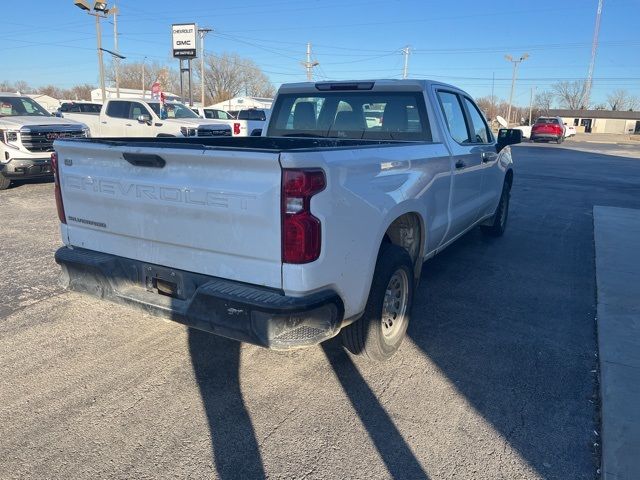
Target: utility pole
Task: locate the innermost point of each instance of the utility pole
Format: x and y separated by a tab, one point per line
308	65
516	63
592	63
533	89
203	32
100	59
493	98
143	89
405	70
114	11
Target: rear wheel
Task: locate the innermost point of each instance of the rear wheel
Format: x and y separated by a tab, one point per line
379	332
4	182
559	140
499	225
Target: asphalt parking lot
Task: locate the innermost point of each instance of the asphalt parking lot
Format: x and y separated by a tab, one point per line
498	378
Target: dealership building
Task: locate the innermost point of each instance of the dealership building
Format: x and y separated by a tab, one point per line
600	121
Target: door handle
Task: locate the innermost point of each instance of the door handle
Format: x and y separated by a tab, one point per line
489	156
460	164
128	124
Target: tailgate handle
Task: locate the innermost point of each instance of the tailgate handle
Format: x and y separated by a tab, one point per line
144	160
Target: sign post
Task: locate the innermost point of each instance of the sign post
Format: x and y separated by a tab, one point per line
183	41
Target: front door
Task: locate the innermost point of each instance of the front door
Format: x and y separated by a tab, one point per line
466	158
136	128
492	177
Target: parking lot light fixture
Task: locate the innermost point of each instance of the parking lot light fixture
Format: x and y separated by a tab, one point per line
100	10
101	7
82	4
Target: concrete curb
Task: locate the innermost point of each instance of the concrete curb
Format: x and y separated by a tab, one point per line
617	245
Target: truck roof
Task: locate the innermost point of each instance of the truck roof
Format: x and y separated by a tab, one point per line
372	85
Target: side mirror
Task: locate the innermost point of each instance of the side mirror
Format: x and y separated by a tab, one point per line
144	118
508	136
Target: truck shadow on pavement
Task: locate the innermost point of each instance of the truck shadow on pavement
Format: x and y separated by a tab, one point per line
235	450
216	365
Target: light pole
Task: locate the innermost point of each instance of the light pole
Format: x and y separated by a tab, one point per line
100	10
515	62
203	32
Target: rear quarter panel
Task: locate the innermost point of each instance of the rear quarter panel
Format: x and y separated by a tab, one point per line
367	189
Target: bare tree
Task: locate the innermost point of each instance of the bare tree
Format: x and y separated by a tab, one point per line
229	75
620	99
570	94
131	76
488	106
543	102
80	92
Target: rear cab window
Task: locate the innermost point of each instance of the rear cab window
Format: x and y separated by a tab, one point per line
118	109
365	115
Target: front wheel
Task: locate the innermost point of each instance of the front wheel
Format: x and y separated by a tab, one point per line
499	225
379	332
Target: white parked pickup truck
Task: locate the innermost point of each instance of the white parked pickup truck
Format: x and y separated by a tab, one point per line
320	226
151	118
248	123
27	132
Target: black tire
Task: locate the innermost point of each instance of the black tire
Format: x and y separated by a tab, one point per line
499	225
4	182
371	335
559	140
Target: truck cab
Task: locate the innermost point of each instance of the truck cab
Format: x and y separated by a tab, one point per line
152	118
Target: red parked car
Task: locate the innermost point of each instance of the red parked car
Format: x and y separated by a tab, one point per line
548	128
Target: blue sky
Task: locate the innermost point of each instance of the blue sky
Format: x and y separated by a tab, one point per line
461	42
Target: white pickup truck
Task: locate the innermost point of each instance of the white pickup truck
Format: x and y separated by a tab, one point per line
320	226
249	122
27	132
149	118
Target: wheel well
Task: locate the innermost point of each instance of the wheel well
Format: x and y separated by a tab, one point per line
508	178
406	232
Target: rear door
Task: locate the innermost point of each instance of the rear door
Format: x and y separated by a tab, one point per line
215	212
467	164
114	122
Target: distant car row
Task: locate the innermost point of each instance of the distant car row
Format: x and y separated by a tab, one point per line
243	123
27	130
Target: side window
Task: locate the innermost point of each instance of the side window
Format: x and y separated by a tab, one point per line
454	116
478	125
118	109
136	110
28	107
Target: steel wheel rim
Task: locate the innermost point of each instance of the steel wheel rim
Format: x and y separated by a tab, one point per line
394	306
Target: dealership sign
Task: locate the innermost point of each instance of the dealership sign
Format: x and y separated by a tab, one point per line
183	40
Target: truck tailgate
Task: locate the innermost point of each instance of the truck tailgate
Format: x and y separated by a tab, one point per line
214	212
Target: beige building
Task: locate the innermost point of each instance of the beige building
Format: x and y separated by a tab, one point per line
600	121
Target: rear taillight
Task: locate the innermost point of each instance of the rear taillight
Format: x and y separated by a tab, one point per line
58	192
301	231
236	128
